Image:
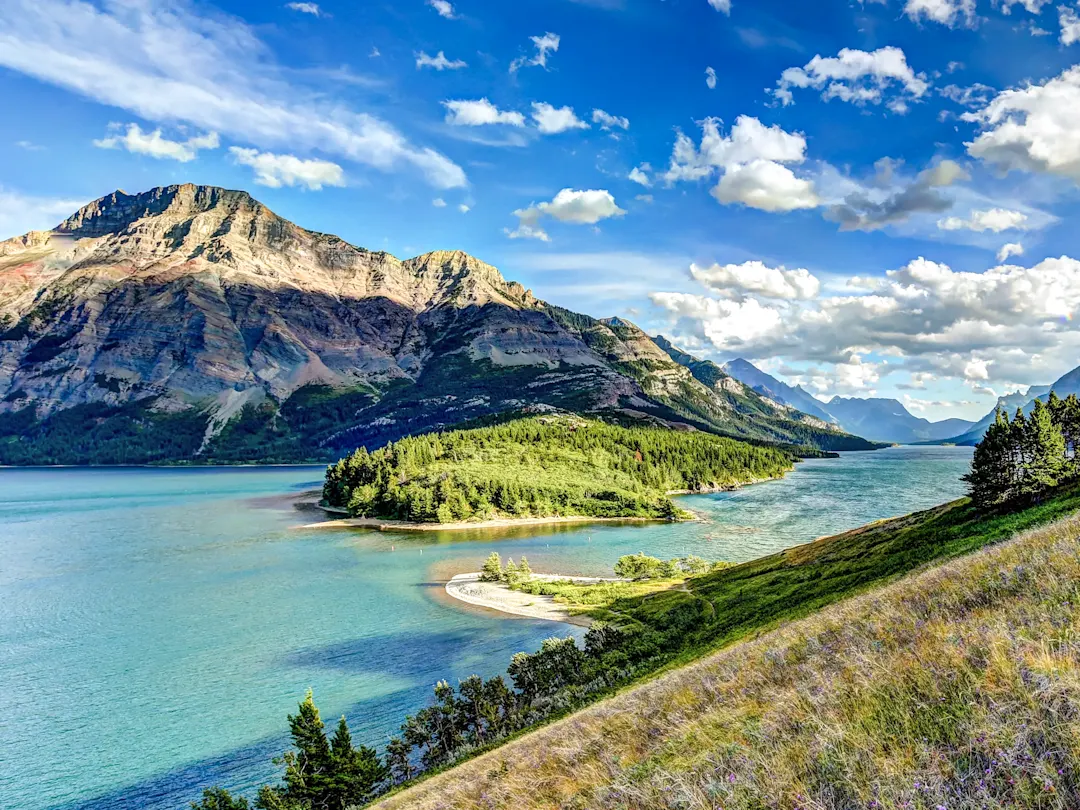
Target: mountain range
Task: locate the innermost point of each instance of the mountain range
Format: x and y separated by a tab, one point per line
192	323
883	420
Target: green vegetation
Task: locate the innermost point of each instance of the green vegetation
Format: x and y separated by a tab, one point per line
1023	458
651	625
540	467
954	688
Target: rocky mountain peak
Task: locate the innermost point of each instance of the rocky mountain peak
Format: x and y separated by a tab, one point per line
118	211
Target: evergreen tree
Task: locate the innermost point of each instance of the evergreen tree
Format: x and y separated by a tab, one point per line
991	479
493	568
355	773
220	799
512	574
525	573
397	758
1045	451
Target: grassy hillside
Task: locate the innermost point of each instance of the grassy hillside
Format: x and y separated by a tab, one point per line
543	466
953	688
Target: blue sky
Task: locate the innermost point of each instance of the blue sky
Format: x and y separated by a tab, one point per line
824	188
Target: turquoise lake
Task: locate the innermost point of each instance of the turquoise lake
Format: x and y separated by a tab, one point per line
157	625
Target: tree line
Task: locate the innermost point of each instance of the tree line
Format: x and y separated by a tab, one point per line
1020	459
324	773
542	467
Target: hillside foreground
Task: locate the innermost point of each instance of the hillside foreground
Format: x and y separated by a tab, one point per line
956	687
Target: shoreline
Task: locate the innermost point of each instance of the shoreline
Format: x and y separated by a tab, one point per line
382	525
496	596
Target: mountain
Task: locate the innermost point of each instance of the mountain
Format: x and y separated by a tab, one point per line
778	391
192	323
887	420
882	420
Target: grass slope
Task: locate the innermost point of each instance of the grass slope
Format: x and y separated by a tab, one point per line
955	688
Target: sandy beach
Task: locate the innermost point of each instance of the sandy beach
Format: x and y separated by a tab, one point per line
496	596
504	523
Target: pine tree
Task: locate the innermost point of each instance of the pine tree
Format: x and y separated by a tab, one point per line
1045	451
493	569
308	768
990	481
525	573
220	799
512	574
397	758
354	772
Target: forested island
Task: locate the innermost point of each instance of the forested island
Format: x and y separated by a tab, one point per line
555	465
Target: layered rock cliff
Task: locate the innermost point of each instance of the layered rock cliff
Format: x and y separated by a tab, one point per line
193	322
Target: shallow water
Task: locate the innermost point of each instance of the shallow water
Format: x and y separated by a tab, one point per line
156	626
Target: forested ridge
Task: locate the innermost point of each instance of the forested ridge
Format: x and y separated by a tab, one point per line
543	466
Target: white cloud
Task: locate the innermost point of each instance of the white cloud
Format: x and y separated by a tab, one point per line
710	78
439	202
439	62
1034	128
1034	6
165	63
29	146
154	145
288	170
639	175
1006	324
858	77
544	44
946	12
20	213
723	6
750	162
1010	249
608	121
1070	25
553	120
481	112
569	205
736	280
995	219
444	8
767	186
305	8
463	208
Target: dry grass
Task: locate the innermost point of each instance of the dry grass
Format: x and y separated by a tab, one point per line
954	688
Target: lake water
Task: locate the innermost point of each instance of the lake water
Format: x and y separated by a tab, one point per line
157	625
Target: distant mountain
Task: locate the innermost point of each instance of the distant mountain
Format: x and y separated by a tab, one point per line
882	420
193	323
887	420
1063	387
778	391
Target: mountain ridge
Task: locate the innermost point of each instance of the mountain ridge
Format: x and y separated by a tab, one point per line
252	338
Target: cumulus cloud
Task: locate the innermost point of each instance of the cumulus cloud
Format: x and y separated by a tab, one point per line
481	112
443	7
640	175
569	205
1034	128
288	170
553	120
544	44
166	63
438	62
1069	21
750	161
995	219
737	280
463	208
608	121
723	6
946	12
305	8
868	210
155	145
710	78
439	202
1034	6
1010	249
1005	324
858	77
